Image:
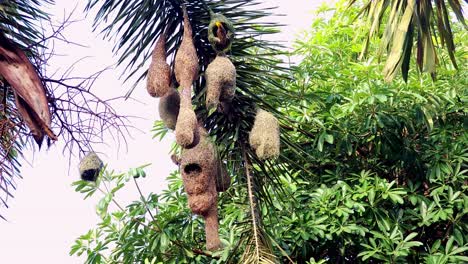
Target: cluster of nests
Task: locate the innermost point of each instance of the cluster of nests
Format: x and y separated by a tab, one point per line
203	172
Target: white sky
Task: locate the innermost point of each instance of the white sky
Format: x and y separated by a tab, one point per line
46	215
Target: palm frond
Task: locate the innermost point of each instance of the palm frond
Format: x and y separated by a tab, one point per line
136	26
426	23
11	144
18	22
258	248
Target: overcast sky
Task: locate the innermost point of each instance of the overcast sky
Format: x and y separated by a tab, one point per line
46	215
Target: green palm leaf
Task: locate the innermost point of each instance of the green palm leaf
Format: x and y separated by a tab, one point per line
136	26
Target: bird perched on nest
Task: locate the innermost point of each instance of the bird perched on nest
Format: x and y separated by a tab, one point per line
220	33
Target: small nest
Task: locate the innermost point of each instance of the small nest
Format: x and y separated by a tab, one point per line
169	106
198	167
186	128
186	61
159	73
220	33
265	135
90	166
223	180
220	81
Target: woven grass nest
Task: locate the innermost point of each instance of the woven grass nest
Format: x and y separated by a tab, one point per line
220	78
90	166
186	128
186	61
199	168
169	106
264	137
159	73
220	33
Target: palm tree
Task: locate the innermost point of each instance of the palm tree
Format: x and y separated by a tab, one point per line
19	35
137	25
425	23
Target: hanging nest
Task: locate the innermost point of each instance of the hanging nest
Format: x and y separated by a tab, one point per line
159	73
265	135
199	169
90	166
186	60
186	128
223	180
169	106
220	33
221	82
212	229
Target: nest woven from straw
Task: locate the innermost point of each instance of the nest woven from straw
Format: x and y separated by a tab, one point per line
90	166
220	82
186	61
211	229
264	137
198	167
169	106
221	44
186	128
159	73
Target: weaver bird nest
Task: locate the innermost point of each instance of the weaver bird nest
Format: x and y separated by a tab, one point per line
203	172
90	166
265	135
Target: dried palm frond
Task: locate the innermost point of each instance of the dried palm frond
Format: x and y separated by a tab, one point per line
30	95
408	23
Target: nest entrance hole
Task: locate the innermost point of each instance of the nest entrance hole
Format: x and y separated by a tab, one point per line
192	169
89	175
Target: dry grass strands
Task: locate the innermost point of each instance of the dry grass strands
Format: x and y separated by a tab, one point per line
90	166
223	180
186	61
211	229
169	106
199	168
186	128
265	135
220	81
159	73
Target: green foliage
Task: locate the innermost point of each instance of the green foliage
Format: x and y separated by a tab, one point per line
381	176
391	157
